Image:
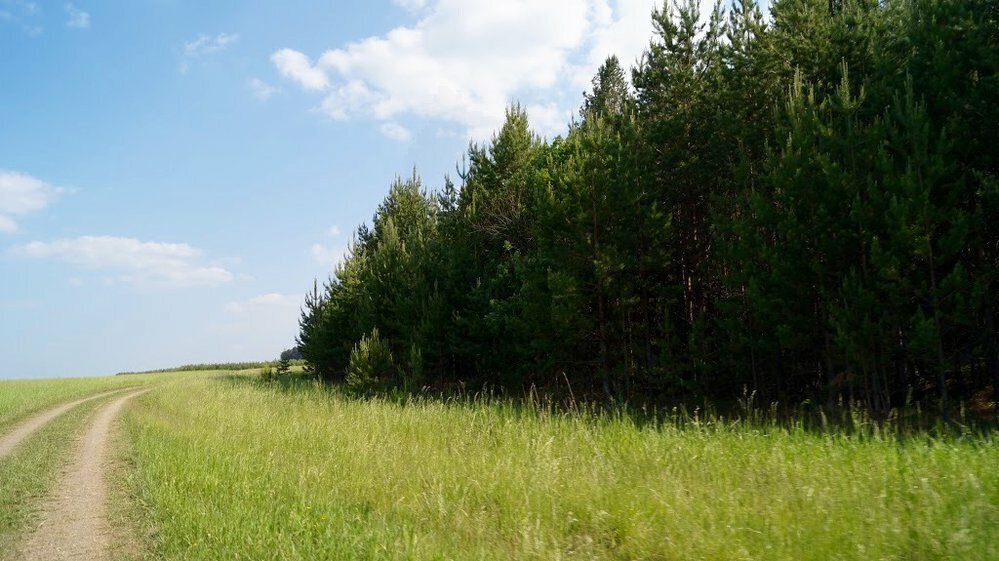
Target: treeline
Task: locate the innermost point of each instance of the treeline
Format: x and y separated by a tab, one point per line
208	366
804	206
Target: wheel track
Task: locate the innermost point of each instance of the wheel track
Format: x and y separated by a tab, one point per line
73	522
21	431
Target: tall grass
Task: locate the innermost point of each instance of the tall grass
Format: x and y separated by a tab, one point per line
239	471
28	473
20	398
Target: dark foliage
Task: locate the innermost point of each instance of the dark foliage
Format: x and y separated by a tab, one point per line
800	208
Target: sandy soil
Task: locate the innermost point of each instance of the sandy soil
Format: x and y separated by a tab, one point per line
73	522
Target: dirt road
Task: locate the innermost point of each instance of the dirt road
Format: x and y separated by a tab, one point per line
73	522
10	440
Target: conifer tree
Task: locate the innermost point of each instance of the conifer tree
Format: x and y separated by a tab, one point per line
803	206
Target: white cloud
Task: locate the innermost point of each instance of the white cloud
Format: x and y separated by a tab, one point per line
262	90
21	194
624	31
264	302
348	99
411	5
333	254
7	225
395	131
328	256
464	61
549	116
76	17
23	14
295	65
139	262
205	45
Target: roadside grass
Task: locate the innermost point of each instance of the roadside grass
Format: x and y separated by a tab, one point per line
133	535
29	472
21	398
236	470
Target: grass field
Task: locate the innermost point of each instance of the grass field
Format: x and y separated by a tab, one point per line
20	398
29	472
236	470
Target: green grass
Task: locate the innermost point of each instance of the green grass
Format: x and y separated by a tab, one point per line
20	398
132	529
28	473
232	470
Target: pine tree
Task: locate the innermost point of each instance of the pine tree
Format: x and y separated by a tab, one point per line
610	94
802	206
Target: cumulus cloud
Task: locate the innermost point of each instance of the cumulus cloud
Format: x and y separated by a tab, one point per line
464	61
262	90
264	302
21	194
135	261
334	231
295	65
76	17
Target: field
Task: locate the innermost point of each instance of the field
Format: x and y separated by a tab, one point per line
30	470
19	398
221	466
660	280
231	470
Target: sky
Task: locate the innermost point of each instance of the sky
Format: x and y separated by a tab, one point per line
174	175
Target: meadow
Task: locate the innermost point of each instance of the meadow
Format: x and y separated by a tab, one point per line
30	471
229	468
20	398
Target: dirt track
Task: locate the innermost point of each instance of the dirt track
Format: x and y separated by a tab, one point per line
73	522
10	440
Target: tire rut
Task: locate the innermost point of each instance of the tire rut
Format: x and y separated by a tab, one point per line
73	523
23	430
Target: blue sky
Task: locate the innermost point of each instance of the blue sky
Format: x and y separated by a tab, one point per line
174	175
